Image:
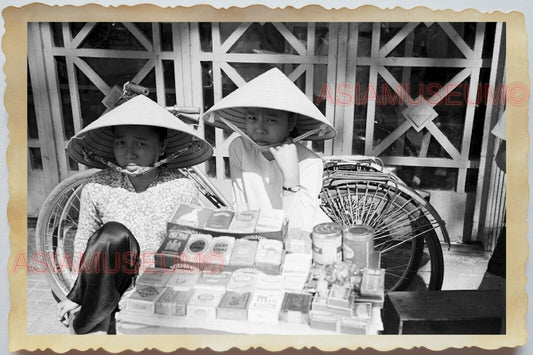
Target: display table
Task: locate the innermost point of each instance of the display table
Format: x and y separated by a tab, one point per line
444	312
130	323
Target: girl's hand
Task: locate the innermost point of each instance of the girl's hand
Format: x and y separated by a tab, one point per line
287	158
63	310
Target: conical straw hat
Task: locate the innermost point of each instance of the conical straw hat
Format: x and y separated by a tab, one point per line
97	137
273	90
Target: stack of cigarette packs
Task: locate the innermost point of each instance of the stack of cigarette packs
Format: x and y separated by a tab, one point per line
268	223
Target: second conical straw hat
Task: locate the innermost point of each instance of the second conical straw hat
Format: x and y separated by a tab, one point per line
273	90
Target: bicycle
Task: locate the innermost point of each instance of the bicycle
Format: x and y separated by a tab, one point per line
57	220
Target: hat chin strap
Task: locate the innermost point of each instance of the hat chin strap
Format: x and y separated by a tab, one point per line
138	170
321	130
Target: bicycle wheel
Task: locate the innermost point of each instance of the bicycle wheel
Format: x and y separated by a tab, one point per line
56	228
405	224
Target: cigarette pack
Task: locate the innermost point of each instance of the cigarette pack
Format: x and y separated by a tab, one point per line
295	270
143	299
373	283
267	282
154	277
353	326
270	220
243	254
220	250
169	253
269	255
173	302
191	215
234	305
320	303
265	306
340	296
196	250
298	241
213	281
362	311
323	320
244	222
183	279
219	220
203	303
242	281
295	308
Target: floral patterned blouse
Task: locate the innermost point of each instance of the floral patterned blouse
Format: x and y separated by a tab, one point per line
110	196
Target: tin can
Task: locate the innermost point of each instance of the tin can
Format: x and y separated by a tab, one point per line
358	244
327	243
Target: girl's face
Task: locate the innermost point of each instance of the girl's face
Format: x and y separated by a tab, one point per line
139	145
268	126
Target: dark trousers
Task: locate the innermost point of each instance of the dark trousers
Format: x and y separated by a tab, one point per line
107	268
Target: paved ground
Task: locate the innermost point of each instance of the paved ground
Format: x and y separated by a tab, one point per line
464	269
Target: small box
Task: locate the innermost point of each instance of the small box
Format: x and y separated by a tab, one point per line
203	303
353	326
213	281
319	304
269	282
298	241
169	253
183	279
295	308
173	302
191	216
270	220
268	256
244	222
373	283
341	297
154	277
323	320
219	220
143	299
196	250
220	251
243	281
234	305
362	311
243	254
265	306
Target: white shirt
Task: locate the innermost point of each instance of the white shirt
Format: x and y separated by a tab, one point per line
257	183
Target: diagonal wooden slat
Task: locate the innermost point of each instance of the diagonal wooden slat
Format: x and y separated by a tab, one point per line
289	37
300	69
456	38
234	36
232	73
395	85
92	75
135	31
443	141
391	138
397	39
84	32
145	70
449	87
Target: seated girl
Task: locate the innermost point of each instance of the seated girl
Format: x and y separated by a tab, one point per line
124	208
269	169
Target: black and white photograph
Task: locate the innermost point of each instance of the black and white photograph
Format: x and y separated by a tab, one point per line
308	178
